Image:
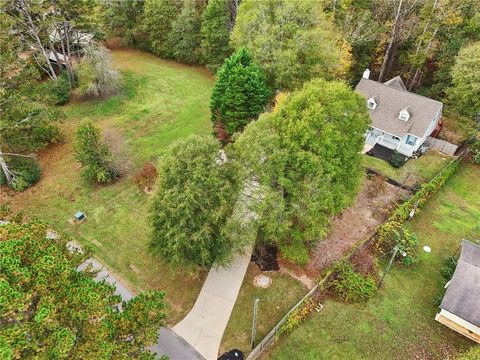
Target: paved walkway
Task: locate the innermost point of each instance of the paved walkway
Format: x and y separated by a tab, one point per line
204	325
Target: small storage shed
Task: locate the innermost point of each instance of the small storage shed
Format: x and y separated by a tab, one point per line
460	307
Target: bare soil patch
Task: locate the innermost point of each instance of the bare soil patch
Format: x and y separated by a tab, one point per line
354	224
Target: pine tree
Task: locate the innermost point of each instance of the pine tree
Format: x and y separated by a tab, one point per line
184	38
196	195
240	92
159	16
216	34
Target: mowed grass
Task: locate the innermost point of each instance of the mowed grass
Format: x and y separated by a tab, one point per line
415	171
160	102
275	301
398	323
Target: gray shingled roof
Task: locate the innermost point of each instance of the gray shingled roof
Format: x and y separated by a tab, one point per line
463	293
392	99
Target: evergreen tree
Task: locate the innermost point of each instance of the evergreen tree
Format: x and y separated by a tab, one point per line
158	18
48	310
240	92
184	37
196	194
216	34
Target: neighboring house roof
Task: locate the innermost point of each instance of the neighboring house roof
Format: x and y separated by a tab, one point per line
463	292
392	97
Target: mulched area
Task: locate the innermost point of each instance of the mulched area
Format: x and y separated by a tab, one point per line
356	223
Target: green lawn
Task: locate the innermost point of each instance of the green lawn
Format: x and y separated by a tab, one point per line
398	323
275	301
161	102
414	171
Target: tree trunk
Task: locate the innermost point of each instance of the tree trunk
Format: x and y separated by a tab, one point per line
393	36
4	166
34	31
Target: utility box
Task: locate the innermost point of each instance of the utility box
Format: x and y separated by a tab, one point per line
80	216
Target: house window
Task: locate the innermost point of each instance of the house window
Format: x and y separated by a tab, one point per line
396	138
371	103
411	140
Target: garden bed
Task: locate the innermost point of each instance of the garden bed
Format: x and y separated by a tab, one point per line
355	223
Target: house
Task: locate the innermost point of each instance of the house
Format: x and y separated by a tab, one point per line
460	307
401	120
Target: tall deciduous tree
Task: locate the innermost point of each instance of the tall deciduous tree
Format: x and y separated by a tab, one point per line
51	311
27	121
240	92
306	155
158	18
196	194
464	95
184	37
216	33
292	40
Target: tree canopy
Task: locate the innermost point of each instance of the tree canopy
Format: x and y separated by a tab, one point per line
158	18
48	310
94	155
240	92
464	95
306	154
292	40
216	34
196	194
184	37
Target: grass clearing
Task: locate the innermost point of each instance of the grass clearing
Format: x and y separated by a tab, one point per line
275	301
398	323
414	171
161	102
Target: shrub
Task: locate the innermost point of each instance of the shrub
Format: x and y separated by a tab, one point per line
96	75
298	315
448	268
475	149
349	285
295	251
393	234
58	90
145	178
26	173
94	155
397	160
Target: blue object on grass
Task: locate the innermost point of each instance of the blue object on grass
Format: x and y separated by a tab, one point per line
80	216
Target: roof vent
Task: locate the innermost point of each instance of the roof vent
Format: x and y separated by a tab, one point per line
366	74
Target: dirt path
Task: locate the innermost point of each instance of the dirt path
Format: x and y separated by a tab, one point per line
354	224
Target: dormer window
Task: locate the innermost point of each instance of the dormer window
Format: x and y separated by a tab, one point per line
372	103
404	115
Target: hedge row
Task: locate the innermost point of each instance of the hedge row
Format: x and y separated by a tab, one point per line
402	212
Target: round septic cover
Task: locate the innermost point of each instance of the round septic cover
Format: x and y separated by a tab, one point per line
262	281
427	249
